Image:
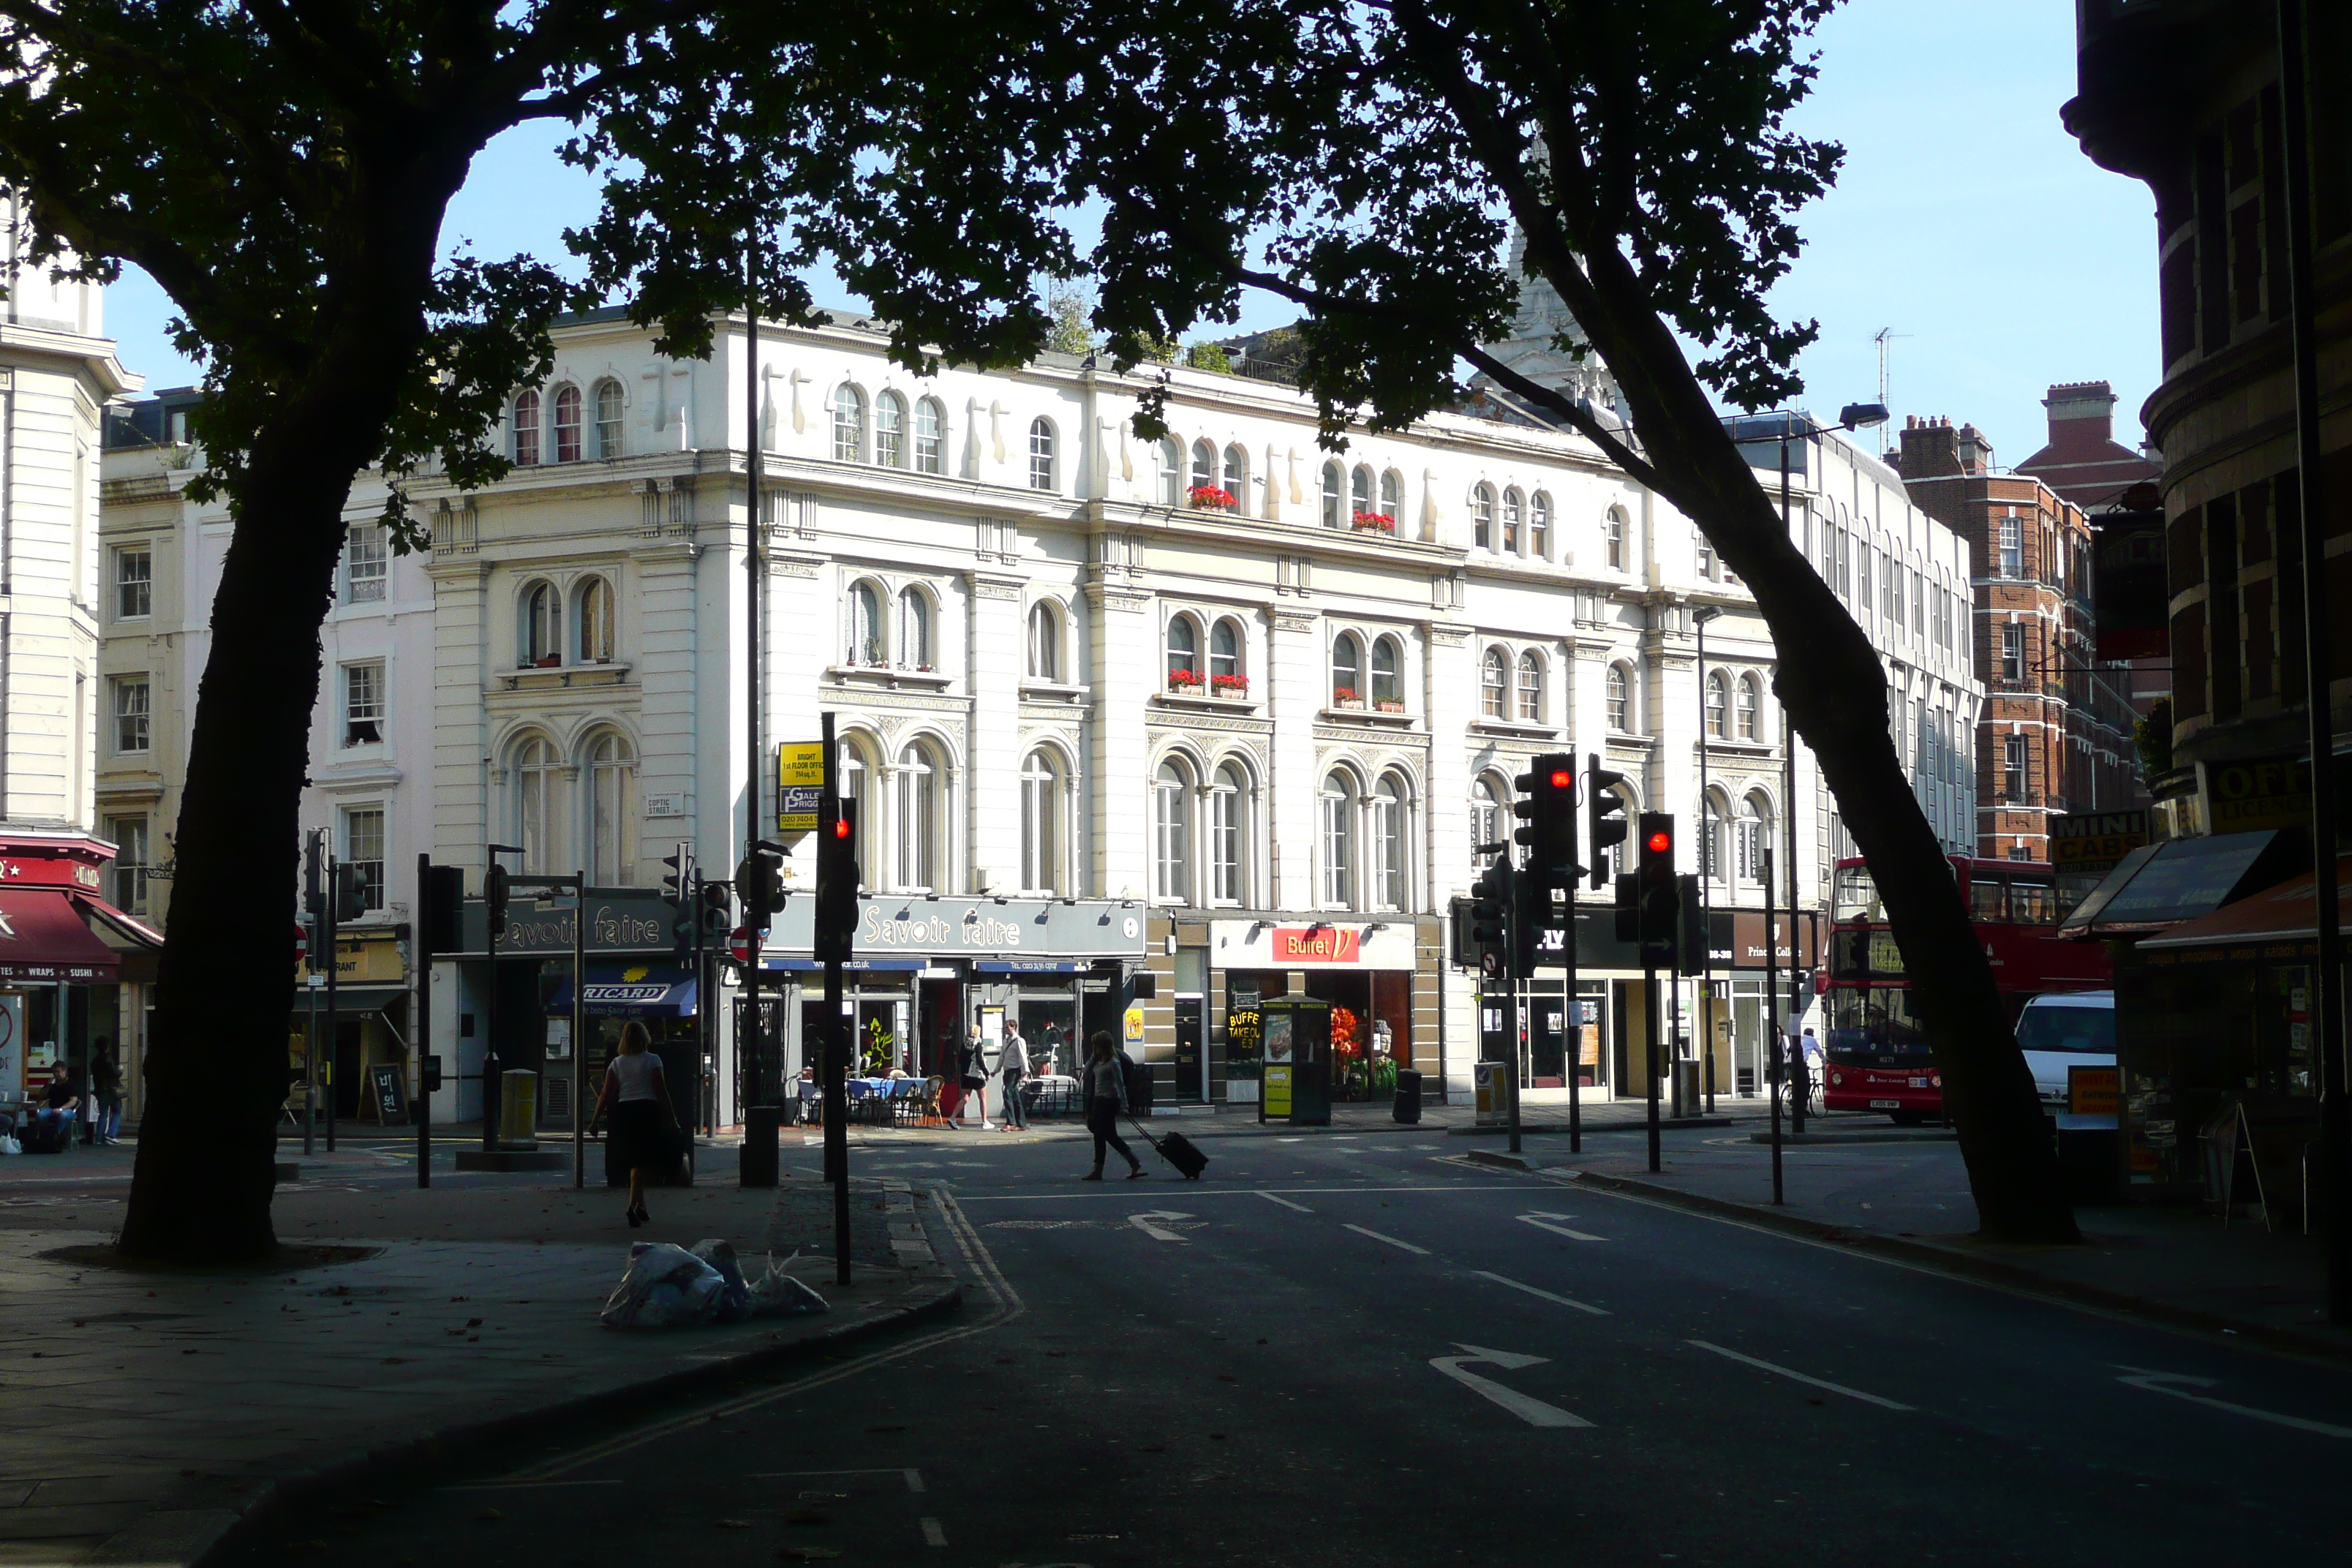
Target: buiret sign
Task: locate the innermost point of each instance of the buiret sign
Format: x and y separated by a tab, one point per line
1310	944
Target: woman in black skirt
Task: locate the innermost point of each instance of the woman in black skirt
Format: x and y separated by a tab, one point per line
644	1130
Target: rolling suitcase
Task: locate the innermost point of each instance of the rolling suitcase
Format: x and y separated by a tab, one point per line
1177	1150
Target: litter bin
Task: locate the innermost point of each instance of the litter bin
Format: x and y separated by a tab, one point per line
518	1108
1406	1108
1686	1096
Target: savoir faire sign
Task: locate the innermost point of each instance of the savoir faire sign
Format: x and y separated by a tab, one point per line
975	928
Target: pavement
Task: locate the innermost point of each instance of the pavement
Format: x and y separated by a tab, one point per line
1347	1348
157	1411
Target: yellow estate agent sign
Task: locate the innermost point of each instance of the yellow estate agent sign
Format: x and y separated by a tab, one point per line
800	779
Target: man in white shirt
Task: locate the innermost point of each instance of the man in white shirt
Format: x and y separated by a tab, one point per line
1015	1067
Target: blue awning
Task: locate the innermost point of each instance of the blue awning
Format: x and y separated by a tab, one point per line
1032	966
657	994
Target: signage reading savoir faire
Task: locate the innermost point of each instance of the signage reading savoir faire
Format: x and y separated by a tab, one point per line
973	928
618	921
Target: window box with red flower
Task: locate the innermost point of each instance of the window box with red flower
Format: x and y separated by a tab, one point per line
1229	685
1185	680
1374	522
1208	498
1347	697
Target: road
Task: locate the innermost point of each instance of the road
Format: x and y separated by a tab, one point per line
1362	1350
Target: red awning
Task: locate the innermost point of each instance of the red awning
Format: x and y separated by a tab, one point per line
44	941
2284	913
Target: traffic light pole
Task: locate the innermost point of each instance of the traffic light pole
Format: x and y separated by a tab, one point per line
420	1104
1772	1012
334	1016
1650	1045
836	1049
1572	1021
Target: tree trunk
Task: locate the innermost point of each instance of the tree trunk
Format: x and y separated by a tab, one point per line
1831	685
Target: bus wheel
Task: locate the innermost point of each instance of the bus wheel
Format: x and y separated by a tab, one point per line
1906	1117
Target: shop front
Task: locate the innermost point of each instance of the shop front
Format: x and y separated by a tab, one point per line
1379	980
930	969
74	969
361	1027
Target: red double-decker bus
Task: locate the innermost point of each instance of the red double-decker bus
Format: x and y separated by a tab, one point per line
1877	1051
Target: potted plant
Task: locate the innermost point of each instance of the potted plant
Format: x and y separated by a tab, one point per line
1229	685
1389	705
1347	697
1374	522
1185	680
547	661
1208	498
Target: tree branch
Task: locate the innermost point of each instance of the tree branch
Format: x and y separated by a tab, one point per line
1578	416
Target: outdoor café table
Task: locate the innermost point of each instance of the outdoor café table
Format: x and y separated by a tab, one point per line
1050	1093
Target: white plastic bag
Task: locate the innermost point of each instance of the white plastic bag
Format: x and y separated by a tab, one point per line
733	1302
776	1294
666	1286
8	1145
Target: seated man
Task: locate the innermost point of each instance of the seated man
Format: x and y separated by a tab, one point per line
55	1116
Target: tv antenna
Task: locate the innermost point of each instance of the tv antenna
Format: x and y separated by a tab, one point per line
1886	341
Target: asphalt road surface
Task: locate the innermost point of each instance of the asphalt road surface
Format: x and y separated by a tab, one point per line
1352	1351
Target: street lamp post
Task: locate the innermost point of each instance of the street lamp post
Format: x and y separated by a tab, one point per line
1707	859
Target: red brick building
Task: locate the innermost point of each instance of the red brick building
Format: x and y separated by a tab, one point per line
2055	733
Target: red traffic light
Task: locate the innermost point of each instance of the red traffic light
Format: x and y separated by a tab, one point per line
840	828
1661	842
1562	779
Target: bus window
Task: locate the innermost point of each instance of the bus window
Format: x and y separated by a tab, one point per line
2032	903
1857	896
1988	898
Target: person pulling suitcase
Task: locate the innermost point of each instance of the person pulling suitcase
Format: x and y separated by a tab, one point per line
1105	1088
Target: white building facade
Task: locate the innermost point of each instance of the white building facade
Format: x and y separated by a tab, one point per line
1143	734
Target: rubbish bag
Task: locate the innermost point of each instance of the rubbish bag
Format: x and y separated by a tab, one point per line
666	1286
733	1302
776	1294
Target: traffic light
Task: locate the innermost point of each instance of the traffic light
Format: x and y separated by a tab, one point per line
1604	811
314	876
443	899
836	879
349	890
1656	891
678	880
760	888
494	899
1490	906
718	917
1690	945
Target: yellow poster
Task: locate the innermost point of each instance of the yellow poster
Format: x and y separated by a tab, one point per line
800	781
1133	1023
1277	1089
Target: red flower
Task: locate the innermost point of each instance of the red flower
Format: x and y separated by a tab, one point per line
1210	498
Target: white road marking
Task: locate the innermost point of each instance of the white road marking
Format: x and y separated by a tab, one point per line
933	1534
914	1480
1800	1377
1544	1222
516	1486
1563	1301
1285	1203
1201	1192
1532	1410
2157	1381
1143	1222
1391	1240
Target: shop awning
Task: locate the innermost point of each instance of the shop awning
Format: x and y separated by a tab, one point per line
44	941
350	999
2160	885
610	993
2274	918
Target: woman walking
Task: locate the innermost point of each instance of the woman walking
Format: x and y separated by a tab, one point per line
644	1130
1105	1082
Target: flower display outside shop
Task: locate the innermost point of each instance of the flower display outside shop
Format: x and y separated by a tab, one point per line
1229	685
1183	680
1374	522
1346	1056
1210	498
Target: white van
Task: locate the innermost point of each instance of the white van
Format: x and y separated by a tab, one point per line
2067	1029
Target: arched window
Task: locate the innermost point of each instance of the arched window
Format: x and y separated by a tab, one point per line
612	781
1495	685
1237	477
1334	484
1171	833
915	629
1044	811
1204	466
1228	836
930	437
1619	697
542	625
848	424
890	430
1044	643
1171	472
1514	514
567	424
1041	455
525	428
1539	527
608	420
1482	516
1710	837
1225	658
922	818
1347	671
865	624
536	822
1531	688
1750	707
1486	816
1391	871
1718	705
856	773
1755	835
1612	538
1360	492
1183	654
1388	677
596	617
1339	803
1392	497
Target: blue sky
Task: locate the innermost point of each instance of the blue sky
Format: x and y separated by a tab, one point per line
1966	222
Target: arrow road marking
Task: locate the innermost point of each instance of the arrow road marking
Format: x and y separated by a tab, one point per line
1800	1377
1391	1240
1563	1301
1533	1412
1543	1222
1269	1197
1143	1222
2157	1382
